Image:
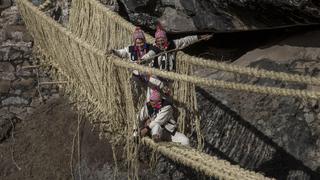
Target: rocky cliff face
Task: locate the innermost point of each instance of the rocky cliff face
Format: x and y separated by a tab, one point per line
269	133
220	15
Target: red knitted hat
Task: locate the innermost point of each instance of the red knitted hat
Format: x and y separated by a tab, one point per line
160	33
138	34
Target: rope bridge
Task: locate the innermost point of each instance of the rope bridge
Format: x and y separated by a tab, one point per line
102	81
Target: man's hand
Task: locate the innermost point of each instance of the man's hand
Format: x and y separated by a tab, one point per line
205	36
110	51
166	91
147	123
144	132
156	137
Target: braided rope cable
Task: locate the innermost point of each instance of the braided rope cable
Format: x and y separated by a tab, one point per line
209	165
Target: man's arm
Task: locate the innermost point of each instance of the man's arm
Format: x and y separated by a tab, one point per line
144	119
155	82
186	41
148	55
164	115
144	114
123	53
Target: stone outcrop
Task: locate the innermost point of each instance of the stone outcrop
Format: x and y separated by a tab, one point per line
220	15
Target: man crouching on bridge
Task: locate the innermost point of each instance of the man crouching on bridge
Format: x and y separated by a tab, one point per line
158	120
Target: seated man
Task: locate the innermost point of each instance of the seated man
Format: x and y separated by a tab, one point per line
157	115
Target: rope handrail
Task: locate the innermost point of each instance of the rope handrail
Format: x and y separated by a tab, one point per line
209	165
221	84
255	72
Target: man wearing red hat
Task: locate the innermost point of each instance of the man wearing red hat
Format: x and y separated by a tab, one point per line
167	61
159	122
139	50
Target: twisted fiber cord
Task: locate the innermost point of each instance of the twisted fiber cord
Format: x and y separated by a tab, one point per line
79	94
89	81
74	93
44	5
131	146
90	73
184	93
305	94
210	166
91	110
255	72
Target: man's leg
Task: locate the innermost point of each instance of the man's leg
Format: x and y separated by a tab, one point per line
156	133
180	138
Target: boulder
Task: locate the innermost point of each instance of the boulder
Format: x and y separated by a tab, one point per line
5	123
27	83
7	71
4	4
16	101
4	86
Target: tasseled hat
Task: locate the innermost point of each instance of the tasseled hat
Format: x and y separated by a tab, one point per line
160	33
138	34
155	95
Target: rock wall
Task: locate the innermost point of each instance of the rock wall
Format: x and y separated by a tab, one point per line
17	85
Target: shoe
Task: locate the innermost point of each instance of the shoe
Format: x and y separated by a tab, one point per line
156	138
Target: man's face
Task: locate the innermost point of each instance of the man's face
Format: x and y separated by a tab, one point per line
160	42
153	103
139	43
